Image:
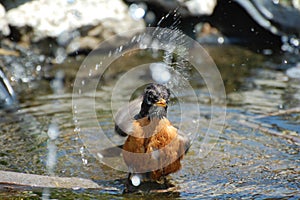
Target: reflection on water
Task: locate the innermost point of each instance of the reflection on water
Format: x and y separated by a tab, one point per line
245	162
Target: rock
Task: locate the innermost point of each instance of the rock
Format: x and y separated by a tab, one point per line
184	8
296	4
3	23
200	7
58	18
34	180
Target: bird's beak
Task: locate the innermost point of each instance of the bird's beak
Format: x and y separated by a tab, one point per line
161	103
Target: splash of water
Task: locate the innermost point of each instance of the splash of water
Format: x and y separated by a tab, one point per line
174	51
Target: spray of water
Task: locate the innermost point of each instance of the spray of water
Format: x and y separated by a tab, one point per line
53	132
180	54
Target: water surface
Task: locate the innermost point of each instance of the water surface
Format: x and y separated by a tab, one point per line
245	161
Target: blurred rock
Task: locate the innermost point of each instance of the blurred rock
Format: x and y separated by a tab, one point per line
58	19
21	65
269	24
4	29
296	4
200	7
184	8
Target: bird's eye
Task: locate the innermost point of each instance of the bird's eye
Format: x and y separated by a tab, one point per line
150	97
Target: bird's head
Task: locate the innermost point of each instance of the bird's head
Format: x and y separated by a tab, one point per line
155	101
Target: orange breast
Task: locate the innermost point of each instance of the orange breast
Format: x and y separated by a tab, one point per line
153	146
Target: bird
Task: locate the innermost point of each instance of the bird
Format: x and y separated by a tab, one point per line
154	148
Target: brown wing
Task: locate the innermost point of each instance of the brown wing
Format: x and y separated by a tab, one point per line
125	116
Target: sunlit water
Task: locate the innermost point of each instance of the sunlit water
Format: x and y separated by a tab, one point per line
244	163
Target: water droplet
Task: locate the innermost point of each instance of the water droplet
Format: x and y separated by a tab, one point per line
145	42
100	156
160	72
60	55
51	157
161	20
84	161
38	68
137	11
81	150
284	38
195	121
53	131
295	42
120	48
76	129
57	84
135	180
221	40
150	17
90	73
267	51
133	39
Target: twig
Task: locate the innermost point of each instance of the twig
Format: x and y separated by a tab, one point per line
280	112
270	131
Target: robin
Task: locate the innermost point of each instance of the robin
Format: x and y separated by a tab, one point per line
154	147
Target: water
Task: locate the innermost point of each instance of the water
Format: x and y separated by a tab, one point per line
242	162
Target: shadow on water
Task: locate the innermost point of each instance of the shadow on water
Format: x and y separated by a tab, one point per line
246	162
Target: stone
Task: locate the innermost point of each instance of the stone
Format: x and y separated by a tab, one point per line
200	7
185	8
296	4
4	29
56	18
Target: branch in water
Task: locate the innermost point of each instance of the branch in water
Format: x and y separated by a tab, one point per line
33	180
252	125
280	112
